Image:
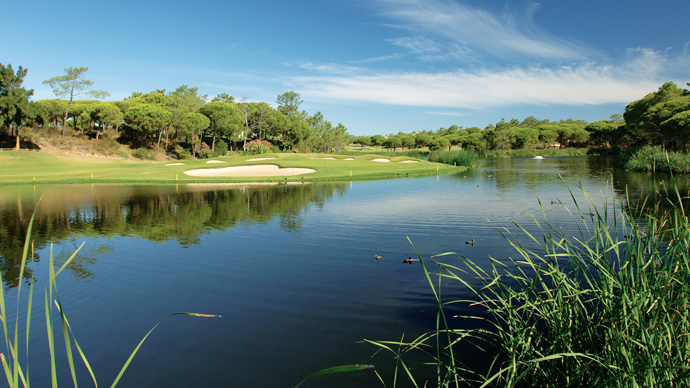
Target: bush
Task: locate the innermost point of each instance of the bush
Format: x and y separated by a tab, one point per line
124	152
204	151
144	153
106	146
220	149
656	159
257	146
454	158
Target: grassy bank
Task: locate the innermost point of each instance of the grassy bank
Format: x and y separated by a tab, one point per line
26	167
658	160
604	308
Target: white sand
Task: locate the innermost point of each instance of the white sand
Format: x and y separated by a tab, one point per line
216	161
410	161
323	158
175	164
349	159
381	160
258	170
255	159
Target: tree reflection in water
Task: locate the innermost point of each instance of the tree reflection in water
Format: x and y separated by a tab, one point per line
157	213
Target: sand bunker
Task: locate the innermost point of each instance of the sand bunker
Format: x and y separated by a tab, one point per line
175	164
410	161
349	159
324	158
381	160
216	161
256	159
258	170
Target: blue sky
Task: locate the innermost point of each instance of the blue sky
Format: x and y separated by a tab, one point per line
377	66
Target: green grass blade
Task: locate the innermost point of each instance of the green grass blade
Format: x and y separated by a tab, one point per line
76	344
68	343
69	260
336	369
134	352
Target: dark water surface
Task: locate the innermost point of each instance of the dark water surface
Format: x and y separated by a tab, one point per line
291	269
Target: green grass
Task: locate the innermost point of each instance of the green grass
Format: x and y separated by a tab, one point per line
656	159
607	307
454	158
14	363
23	167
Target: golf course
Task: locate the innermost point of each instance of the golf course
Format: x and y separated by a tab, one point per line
27	167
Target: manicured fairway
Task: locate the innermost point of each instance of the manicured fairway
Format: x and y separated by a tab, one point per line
22	167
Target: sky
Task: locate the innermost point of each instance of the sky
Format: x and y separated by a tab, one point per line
377	66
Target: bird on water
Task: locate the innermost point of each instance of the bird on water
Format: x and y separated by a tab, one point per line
377	257
471	242
408	260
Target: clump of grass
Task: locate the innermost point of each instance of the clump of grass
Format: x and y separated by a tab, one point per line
605	308
454	158
16	371
657	159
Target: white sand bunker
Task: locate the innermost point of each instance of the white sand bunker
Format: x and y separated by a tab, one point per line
256	159
216	161
410	161
175	164
381	160
349	159
323	158
258	170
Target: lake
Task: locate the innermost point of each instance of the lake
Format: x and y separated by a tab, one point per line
291	269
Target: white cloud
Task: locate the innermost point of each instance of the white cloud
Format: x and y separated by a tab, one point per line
587	84
455	114
551	71
473	31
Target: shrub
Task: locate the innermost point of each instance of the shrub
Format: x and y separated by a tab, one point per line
221	148
656	159
144	153
257	146
106	146
124	152
454	158
204	151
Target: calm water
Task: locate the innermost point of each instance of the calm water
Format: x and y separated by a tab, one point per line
291	269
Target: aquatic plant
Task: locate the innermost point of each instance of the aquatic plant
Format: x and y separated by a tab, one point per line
454	158
604	308
16	371
658	159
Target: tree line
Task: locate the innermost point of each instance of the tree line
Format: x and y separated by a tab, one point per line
181	123
184	124
661	118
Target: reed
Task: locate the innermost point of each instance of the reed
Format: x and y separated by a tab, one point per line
604	308
658	159
17	371
454	158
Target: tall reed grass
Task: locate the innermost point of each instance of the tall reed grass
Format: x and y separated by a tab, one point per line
657	159
454	158
607	307
15	364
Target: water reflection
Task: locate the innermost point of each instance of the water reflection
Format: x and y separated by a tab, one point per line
156	213
291	267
